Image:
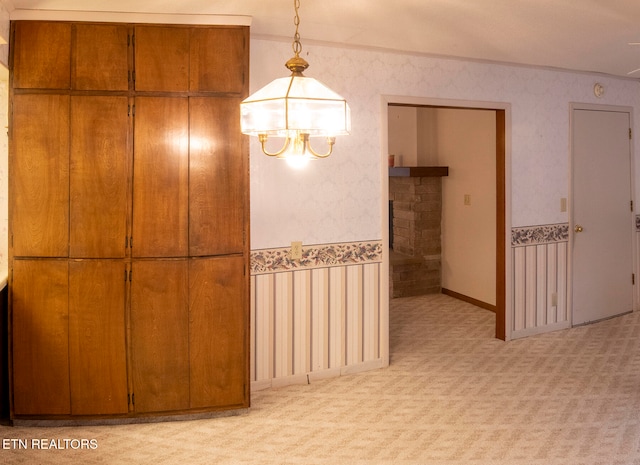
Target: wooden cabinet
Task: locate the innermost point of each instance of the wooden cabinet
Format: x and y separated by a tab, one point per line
218	343
97	345
39	175
217	178
100	159
41	55
160	335
161	177
180	59
40	337
129	282
100	58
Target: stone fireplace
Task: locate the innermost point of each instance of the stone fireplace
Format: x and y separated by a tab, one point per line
415	212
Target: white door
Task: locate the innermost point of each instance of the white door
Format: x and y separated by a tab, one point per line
602	263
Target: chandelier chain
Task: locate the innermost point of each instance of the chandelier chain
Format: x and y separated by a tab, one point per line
297	46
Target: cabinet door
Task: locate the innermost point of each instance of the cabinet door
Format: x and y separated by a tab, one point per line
160	335
100	59
39	175
219	57
97	349
161	177
162	58
99	168
40	337
217	177
41	55
218	338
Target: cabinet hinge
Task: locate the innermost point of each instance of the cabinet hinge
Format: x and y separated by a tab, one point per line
630	133
130	273
632	205
133	78
131	399
633	278
128	40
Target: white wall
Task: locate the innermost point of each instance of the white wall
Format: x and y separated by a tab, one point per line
466	143
403	135
338	199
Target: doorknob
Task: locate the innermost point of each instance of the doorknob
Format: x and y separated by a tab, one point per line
578	228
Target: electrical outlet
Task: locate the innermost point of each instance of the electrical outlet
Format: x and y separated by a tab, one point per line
467	199
554	299
296	250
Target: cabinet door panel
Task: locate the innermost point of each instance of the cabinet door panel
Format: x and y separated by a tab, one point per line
219	57
160	177
162	58
42	55
97	349
217	332
160	335
40	335
217	178
99	169
101	57
39	175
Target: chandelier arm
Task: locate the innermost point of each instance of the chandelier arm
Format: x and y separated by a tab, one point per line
263	140
330	141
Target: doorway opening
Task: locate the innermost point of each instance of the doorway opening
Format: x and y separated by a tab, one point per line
441	150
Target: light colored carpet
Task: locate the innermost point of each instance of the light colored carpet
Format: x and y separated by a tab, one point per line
452	395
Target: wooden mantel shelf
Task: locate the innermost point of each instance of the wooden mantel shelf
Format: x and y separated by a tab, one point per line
419	171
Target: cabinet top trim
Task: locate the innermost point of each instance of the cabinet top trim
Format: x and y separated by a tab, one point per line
117	17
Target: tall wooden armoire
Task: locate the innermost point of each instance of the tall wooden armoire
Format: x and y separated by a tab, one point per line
128	220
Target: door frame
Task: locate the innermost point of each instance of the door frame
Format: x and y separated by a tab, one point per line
504	265
634	240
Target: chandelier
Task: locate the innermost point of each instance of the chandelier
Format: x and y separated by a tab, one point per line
296	108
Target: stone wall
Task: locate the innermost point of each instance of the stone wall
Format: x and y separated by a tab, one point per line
416	254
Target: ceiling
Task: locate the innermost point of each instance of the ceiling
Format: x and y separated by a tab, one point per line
584	35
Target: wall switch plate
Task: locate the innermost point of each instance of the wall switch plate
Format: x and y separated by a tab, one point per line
563	204
296	250
554	299
467	199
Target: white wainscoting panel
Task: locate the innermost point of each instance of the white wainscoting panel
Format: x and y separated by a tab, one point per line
540	279
540	288
309	322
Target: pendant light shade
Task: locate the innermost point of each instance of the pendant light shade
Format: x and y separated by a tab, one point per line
295	108
295	104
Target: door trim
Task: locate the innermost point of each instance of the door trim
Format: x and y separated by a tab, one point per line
504	265
612	108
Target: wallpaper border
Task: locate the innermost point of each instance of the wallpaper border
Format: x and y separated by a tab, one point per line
543	234
315	256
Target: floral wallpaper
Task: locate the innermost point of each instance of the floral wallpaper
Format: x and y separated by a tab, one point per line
540	234
341	199
276	260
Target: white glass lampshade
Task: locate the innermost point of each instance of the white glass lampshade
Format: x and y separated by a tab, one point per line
293	105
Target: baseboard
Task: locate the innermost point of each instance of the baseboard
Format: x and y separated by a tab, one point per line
471	300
